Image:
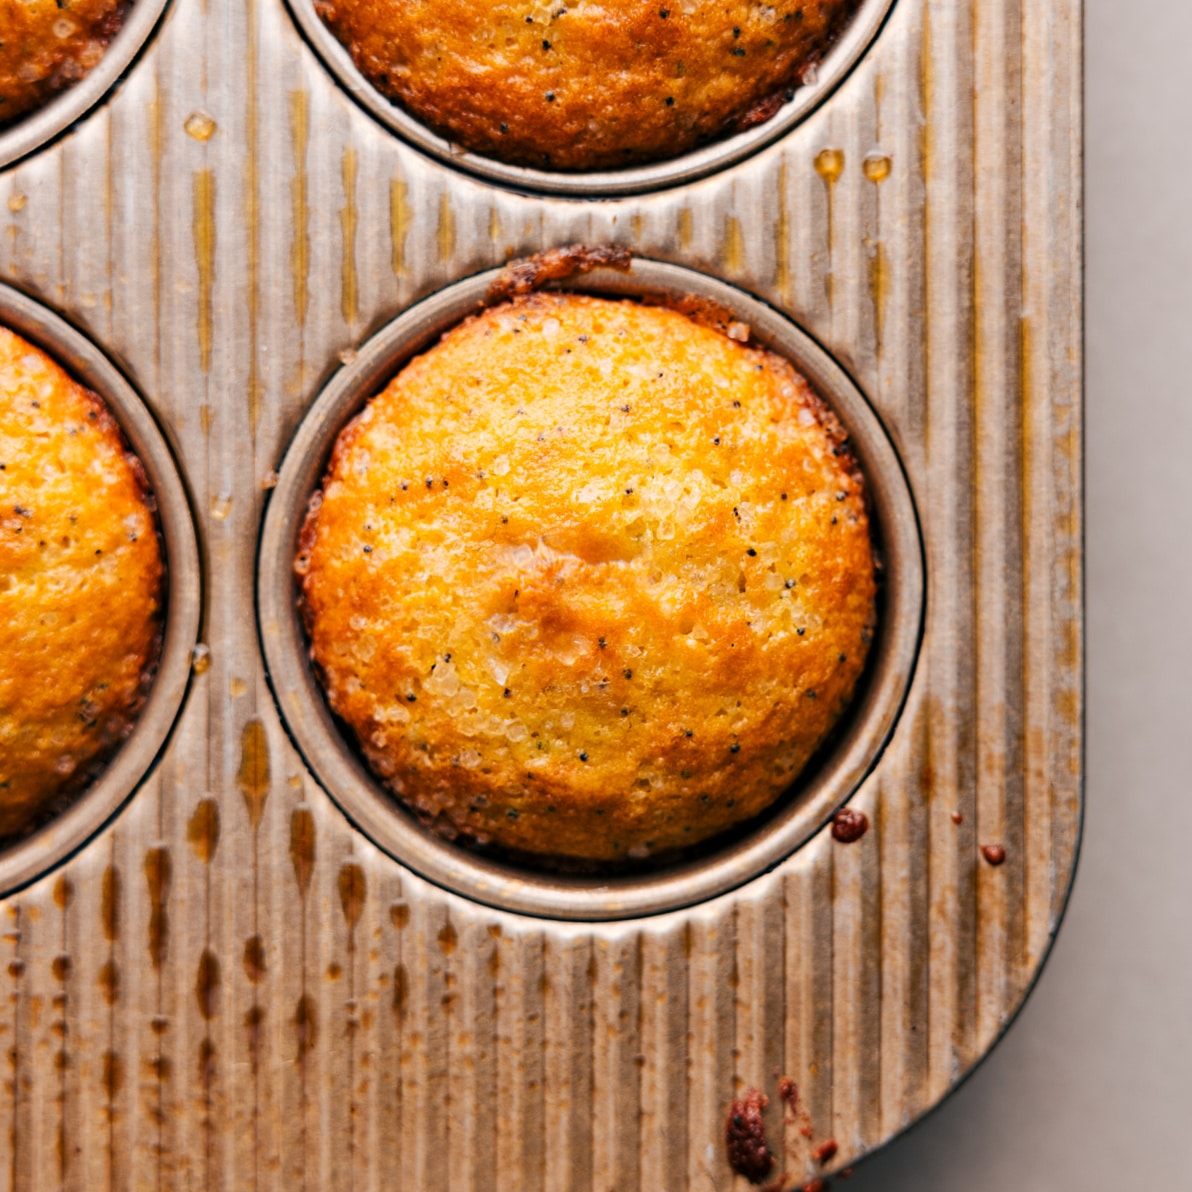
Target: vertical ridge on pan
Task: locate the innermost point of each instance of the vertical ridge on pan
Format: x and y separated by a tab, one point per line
997	288
809	993
84	284
388	982
164	872
855	870
202	354
1052	471
1069	208
475	1091
857	964
947	510
218	869
244	957
423	1103
278	1017
709	1040
567	1061
895	169
521	1144
318	1020
10	1030
616	1070
664	1095
759	1044
138	912
35	1167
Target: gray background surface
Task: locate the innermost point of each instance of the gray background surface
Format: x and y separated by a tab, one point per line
1092	1088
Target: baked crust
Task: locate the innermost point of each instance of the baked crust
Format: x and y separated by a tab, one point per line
47	46
589	579
580	85
80	586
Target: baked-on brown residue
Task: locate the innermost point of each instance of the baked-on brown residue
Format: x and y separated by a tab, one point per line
849	825
587	86
995	854
47	46
745	1137
556	264
826	1151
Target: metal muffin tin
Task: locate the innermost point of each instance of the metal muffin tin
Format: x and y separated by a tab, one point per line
830	780
231	985
41	851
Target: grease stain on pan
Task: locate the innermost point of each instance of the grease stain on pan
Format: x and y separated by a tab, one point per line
348	219
158	875
401	219
302	846
306	1026
254	959
109	982
202	831
207	982
254	776
352	893
204	242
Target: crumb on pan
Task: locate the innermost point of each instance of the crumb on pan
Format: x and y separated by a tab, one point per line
994	854
849	825
745	1137
556	264
826	1151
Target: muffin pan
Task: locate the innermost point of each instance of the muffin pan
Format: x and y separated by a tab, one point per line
830	780
234	984
25	860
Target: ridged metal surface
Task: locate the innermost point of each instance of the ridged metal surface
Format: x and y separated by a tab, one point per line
229	988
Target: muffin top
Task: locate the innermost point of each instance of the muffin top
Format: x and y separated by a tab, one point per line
47	45
581	85
589	579
80	585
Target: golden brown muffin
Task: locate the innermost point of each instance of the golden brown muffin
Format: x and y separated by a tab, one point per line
80	585
48	45
581	84
589	579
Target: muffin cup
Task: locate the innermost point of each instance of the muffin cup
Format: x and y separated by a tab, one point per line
718	155
832	776
32	856
44	124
